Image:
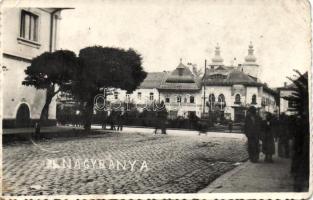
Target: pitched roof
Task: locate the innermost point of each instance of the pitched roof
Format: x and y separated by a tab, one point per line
181	74
228	77
153	80
180	79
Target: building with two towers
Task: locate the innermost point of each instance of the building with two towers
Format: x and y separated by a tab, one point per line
224	90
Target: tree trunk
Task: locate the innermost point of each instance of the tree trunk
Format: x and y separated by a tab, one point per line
88	112
45	110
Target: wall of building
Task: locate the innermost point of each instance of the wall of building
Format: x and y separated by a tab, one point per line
250	91
284	104
270	103
217	90
185	106
142	101
17	54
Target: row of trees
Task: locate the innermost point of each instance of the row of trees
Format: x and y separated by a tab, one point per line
93	71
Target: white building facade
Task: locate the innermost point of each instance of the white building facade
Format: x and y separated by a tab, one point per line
224	91
28	33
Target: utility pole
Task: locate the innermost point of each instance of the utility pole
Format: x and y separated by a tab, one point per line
203	81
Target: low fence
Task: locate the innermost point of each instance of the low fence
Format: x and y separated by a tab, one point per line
144	119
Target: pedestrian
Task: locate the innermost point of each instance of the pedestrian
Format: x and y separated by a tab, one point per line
37	127
252	131
112	120
76	118
161	118
120	120
283	137
230	125
268	144
104	119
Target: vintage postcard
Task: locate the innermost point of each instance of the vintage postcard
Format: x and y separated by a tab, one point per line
134	99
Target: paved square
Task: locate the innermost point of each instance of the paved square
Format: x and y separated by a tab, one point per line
174	163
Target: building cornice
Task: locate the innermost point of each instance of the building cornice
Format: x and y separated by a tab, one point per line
16	57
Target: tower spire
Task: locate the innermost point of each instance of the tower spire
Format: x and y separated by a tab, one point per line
217	59
250	58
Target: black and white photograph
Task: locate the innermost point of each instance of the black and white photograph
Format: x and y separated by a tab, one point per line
139	99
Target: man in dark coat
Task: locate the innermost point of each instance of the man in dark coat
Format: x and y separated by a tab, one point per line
161	118
268	144
252	131
112	120
230	125
283	137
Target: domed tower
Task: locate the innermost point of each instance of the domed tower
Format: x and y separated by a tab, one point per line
250	67
217	60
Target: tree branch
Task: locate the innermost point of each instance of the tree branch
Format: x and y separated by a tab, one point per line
54	93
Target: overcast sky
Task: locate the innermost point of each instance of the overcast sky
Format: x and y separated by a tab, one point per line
165	31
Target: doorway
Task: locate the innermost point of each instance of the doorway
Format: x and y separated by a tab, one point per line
23	116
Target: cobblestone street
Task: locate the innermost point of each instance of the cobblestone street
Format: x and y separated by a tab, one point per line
174	163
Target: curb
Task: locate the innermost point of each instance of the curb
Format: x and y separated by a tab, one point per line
218	183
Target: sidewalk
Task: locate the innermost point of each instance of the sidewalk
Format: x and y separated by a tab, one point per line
130	129
11	131
255	177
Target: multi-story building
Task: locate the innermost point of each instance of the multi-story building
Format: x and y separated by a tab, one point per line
226	91
286	105
28	32
223	91
180	91
229	90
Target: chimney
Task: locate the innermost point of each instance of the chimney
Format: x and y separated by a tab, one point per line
285	84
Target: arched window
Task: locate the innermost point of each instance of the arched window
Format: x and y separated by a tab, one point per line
211	101
211	98
253	99
237	99
221	100
178	99
192	99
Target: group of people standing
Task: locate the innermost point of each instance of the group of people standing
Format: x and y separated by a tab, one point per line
115	119
262	132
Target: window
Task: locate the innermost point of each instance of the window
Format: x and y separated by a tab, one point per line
221	101
211	98
192	99
167	99
263	101
237	99
180	71
151	97
178	99
139	95
291	104
115	95
29	26
211	101
253	99
218	76
221	98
